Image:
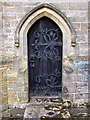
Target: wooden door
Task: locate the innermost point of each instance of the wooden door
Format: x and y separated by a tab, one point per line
44	59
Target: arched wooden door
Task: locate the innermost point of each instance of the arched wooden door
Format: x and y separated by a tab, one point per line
45	59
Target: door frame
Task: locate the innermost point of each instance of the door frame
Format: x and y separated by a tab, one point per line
21	40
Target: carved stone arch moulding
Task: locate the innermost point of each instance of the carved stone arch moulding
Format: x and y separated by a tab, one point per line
21	41
49	11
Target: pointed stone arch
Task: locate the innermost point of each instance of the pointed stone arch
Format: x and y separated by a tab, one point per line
21	42
44	10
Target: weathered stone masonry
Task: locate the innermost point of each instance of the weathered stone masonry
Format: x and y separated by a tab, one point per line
13	66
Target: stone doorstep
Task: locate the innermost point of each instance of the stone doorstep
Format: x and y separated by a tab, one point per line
78	114
38	112
45	111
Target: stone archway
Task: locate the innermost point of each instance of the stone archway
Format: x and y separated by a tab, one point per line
21	39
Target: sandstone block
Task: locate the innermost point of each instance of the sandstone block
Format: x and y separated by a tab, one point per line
84	26
77	13
81	39
81	32
6	23
6	17
78	19
76	25
61	6
12	96
4	86
12	9
78	6
5	100
14	23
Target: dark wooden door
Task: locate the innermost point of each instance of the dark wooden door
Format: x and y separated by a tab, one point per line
45	59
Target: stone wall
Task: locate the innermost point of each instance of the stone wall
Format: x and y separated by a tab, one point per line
12	66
